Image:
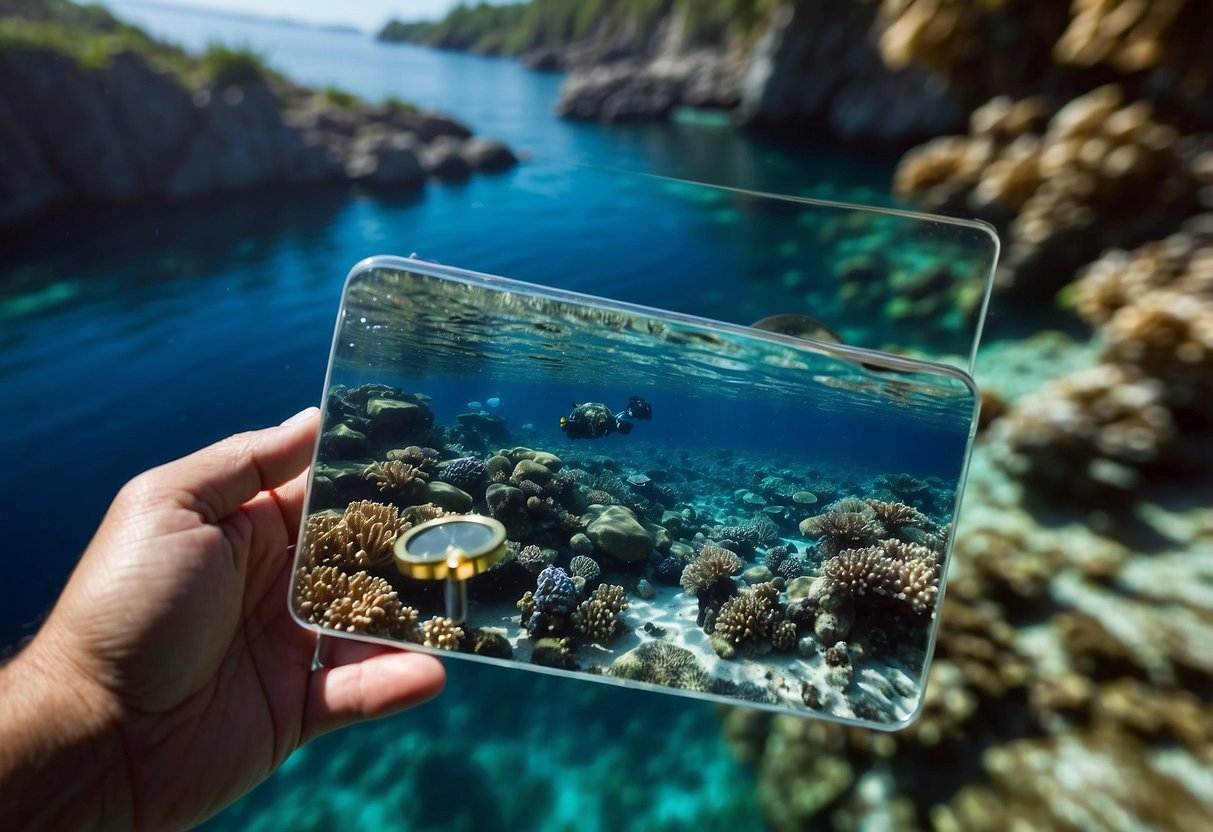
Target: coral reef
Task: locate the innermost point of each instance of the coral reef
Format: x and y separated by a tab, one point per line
598	616
534	559
358	603
555	597
1104	172
395	477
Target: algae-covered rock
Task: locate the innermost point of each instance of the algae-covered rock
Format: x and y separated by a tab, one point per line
662	663
550	461
756	575
554	652
528	469
342	442
398	419
662	539
447	496
616	531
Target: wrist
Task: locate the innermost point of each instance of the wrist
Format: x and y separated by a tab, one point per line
61	759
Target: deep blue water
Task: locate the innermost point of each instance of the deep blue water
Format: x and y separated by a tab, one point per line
129	337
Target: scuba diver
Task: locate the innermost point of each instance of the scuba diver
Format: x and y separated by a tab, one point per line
594	420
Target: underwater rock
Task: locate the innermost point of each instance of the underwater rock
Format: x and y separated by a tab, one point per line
581	545
616	531
662	540
644	589
554	652
662	663
757	575
447	496
342	442
534	472
722	647
549	461
397	420
508	504
492	643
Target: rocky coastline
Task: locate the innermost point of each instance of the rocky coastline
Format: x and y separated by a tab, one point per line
131	131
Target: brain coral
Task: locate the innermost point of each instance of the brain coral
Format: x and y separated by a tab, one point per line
464	472
661	663
357	603
534	559
712	564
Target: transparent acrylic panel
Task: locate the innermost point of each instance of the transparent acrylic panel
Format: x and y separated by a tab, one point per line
688	505
879	278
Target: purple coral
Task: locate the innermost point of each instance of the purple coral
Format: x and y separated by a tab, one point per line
464	472
555	597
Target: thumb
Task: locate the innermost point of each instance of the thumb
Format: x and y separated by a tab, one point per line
222	477
368	681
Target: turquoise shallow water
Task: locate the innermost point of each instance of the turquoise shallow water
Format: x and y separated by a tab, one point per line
130	337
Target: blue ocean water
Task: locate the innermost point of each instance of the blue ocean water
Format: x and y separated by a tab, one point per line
129	337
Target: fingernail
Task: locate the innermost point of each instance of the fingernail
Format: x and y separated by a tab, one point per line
301	416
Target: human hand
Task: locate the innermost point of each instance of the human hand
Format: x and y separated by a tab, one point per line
170	679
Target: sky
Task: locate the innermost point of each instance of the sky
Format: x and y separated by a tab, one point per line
368	15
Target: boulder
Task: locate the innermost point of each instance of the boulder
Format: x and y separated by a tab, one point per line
341	442
444	495
488	155
397	419
616	531
530	470
443	158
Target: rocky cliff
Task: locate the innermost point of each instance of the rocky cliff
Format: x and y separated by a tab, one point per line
129	131
810	66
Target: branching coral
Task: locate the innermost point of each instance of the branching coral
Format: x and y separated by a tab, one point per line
357	603
361	537
749	620
710	566
1088	433
423	459
394	477
905	572
1104	173
598	615
442	633
374	528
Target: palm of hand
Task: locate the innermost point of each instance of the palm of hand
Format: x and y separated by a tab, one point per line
176	621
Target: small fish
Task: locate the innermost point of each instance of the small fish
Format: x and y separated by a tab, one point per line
493	402
474	405
529	426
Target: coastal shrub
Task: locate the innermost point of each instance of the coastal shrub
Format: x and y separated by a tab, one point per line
228	66
89	35
396	105
339	97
